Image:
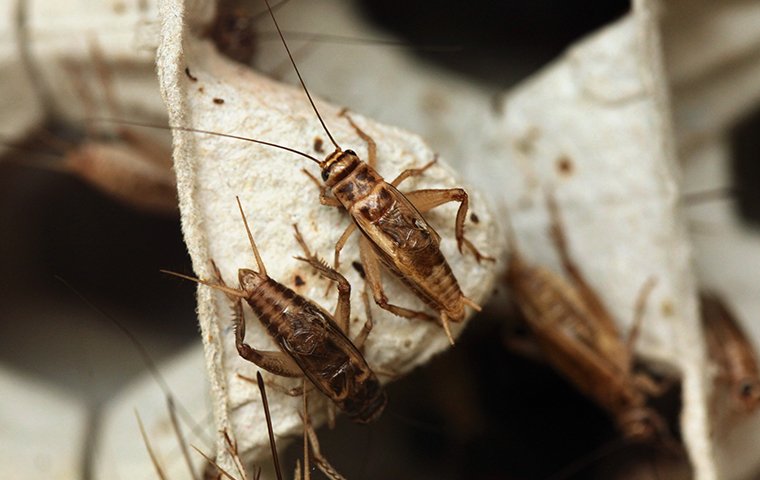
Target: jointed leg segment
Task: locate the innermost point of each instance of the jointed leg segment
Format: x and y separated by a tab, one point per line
343	308
427	199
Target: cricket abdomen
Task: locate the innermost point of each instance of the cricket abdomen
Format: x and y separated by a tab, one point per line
307	333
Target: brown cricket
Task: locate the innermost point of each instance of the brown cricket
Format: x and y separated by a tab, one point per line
313	342
130	167
580	339
394	232
729	346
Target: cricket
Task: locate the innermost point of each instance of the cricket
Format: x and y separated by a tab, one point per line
394	232
732	351
313	342
127	165
580	339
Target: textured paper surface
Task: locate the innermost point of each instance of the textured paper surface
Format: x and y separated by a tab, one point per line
211	171
621	201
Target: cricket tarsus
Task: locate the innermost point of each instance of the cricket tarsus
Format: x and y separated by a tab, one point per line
272	445
300	78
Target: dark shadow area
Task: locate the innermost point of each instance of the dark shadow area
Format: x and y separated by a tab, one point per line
55	225
479	411
745	145
495	37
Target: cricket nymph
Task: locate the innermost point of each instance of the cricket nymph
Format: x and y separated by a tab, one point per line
313	343
309	335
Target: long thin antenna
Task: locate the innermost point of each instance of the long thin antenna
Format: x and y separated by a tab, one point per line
300	78
259	262
207	132
272	445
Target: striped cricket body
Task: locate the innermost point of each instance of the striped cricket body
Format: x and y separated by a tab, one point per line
309	335
395	233
579	339
313	343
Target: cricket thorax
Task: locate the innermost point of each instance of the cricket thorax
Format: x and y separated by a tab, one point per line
362	184
249	280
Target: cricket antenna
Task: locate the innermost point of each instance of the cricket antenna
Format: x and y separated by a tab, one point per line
259	262
300	78
205	132
272	445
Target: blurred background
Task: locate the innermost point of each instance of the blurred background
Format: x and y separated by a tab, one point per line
478	411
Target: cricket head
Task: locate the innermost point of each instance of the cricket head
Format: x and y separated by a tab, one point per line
338	165
250	280
748	393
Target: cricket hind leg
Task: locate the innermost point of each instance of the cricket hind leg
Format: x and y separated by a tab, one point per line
428	199
372	272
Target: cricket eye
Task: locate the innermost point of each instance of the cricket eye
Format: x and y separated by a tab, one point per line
747	389
325	174
350	152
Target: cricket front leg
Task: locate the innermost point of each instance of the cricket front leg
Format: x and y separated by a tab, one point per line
364	333
428	199
324	198
343	308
